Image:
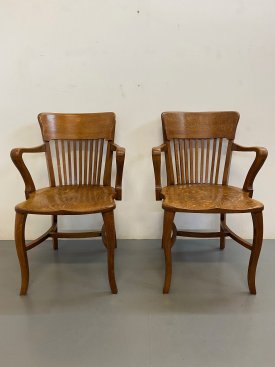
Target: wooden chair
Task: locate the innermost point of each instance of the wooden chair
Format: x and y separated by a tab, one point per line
75	146
198	149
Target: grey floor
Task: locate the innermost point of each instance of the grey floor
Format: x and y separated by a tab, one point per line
69	317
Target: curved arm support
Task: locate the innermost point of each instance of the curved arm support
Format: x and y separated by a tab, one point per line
261	155
16	156
120	157
156	156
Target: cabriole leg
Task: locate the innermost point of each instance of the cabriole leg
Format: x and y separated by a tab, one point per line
167	245
256	249
20	221
110	238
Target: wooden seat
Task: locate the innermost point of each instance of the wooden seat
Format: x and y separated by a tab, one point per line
198	148
71	200
207	198
79	153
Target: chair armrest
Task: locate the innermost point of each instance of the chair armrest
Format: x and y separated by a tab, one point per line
120	156
156	157
16	156
261	155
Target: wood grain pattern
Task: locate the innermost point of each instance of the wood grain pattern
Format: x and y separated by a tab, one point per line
208	198
199	125
56	126
71	200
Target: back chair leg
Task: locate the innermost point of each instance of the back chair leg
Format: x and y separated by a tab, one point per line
256	250
167	245
55	239
110	238
222	238
20	221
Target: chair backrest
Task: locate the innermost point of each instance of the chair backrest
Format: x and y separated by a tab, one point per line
199	146
76	147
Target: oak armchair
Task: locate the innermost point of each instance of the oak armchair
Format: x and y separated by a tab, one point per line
76	146
198	149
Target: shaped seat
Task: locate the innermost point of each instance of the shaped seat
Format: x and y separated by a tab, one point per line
205	198
79	153
71	200
198	148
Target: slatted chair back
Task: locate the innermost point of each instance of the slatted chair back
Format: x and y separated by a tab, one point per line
199	146
77	147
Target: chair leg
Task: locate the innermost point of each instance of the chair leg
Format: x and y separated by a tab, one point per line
20	221
222	238
256	249
110	234
167	245
55	239
103	237
174	236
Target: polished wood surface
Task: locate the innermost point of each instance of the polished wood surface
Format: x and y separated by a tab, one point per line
261	155
19	235
78	162
198	160
17	158
198	149
202	125
69	200
55	126
79	153
208	198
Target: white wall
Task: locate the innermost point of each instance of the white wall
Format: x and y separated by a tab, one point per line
136	58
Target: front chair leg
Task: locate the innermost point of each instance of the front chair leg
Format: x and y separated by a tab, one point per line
20	221
256	249
103	235
167	245
110	238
